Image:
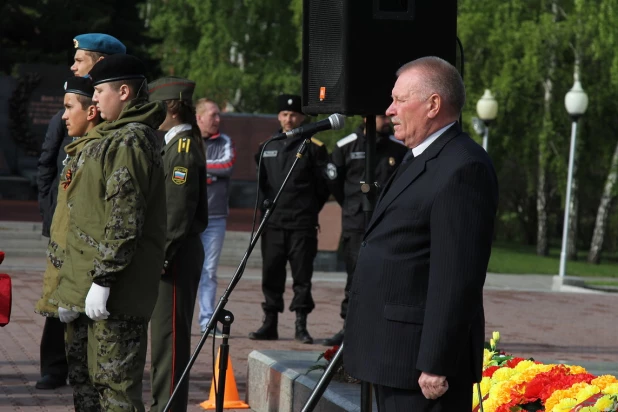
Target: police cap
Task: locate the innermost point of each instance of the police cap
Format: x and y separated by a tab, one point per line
171	88
100	43
289	102
79	85
117	67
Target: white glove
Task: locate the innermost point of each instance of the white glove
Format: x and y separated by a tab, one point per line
96	302
67	315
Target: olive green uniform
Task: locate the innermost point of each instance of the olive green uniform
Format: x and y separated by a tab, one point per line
187	217
116	238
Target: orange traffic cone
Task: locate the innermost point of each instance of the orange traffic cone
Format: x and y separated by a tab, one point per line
230	397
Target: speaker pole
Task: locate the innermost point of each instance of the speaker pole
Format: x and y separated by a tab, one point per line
370	188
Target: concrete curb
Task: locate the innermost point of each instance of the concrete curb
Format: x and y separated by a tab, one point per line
276	381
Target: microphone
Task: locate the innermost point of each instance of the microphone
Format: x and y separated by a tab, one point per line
334	122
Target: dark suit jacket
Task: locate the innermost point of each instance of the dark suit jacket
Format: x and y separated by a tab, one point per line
416	301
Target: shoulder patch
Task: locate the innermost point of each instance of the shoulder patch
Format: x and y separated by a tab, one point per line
183	145
348	139
179	175
317	142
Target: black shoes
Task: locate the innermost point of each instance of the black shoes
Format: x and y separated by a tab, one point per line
50	382
337	339
268	330
302	335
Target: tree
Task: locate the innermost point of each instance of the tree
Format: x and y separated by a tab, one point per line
241	54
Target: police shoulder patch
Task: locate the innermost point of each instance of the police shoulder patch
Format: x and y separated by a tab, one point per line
179	175
317	142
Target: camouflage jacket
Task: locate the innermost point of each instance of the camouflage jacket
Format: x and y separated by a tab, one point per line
117	215
185	187
58	231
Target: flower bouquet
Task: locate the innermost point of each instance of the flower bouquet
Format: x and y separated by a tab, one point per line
512	384
340	374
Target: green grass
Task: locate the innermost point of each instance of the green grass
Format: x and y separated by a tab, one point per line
522	259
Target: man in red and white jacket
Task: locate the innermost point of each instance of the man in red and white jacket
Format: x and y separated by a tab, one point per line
220	159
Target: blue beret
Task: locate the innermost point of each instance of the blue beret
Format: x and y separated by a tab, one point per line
79	85
100	43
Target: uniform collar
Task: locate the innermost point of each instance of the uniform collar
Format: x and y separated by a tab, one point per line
171	133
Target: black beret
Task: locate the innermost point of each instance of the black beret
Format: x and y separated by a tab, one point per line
289	102
117	67
79	85
171	88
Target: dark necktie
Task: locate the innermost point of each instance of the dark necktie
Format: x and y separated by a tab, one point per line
405	163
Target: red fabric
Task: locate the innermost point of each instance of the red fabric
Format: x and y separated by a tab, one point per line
1	256
5	299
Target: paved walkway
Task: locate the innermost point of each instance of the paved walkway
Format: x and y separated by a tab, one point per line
572	326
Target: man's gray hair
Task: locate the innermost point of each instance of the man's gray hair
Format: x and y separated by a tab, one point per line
439	77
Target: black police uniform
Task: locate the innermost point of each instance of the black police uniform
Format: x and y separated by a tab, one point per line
345	172
291	232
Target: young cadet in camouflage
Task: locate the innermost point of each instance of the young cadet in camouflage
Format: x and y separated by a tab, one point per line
80	116
187	216
115	242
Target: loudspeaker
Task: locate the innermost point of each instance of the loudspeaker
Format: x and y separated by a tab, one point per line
352	49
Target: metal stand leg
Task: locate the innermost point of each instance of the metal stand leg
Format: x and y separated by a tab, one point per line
226	320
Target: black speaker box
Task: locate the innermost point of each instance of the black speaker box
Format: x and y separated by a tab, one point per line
352	49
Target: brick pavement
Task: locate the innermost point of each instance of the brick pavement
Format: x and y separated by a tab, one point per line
566	326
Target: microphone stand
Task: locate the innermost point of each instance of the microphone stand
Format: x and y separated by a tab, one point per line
219	313
370	190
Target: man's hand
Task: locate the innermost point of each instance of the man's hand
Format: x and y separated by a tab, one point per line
67	315
96	302
433	386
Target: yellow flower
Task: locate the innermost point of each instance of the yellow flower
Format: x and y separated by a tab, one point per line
487	355
492	343
523	365
556	397
611	389
565	405
586	392
604	381
589	409
575	369
503	374
496	336
604	403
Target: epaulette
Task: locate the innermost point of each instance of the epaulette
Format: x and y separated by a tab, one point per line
348	139
183	145
317	142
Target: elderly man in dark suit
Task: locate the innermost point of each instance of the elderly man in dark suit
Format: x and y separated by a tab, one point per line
415	326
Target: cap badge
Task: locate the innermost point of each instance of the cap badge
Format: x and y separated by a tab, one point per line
75	43
289	102
65	85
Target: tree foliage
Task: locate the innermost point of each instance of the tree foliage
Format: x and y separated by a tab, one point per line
41	31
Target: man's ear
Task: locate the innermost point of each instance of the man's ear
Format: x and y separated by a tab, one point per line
99	59
435	105
125	93
92	113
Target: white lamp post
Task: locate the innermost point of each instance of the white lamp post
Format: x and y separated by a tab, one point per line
487	110
576	103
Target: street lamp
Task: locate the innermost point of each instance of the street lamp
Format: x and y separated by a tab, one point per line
487	110
576	102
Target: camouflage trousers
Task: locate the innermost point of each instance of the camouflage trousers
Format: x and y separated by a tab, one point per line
106	363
